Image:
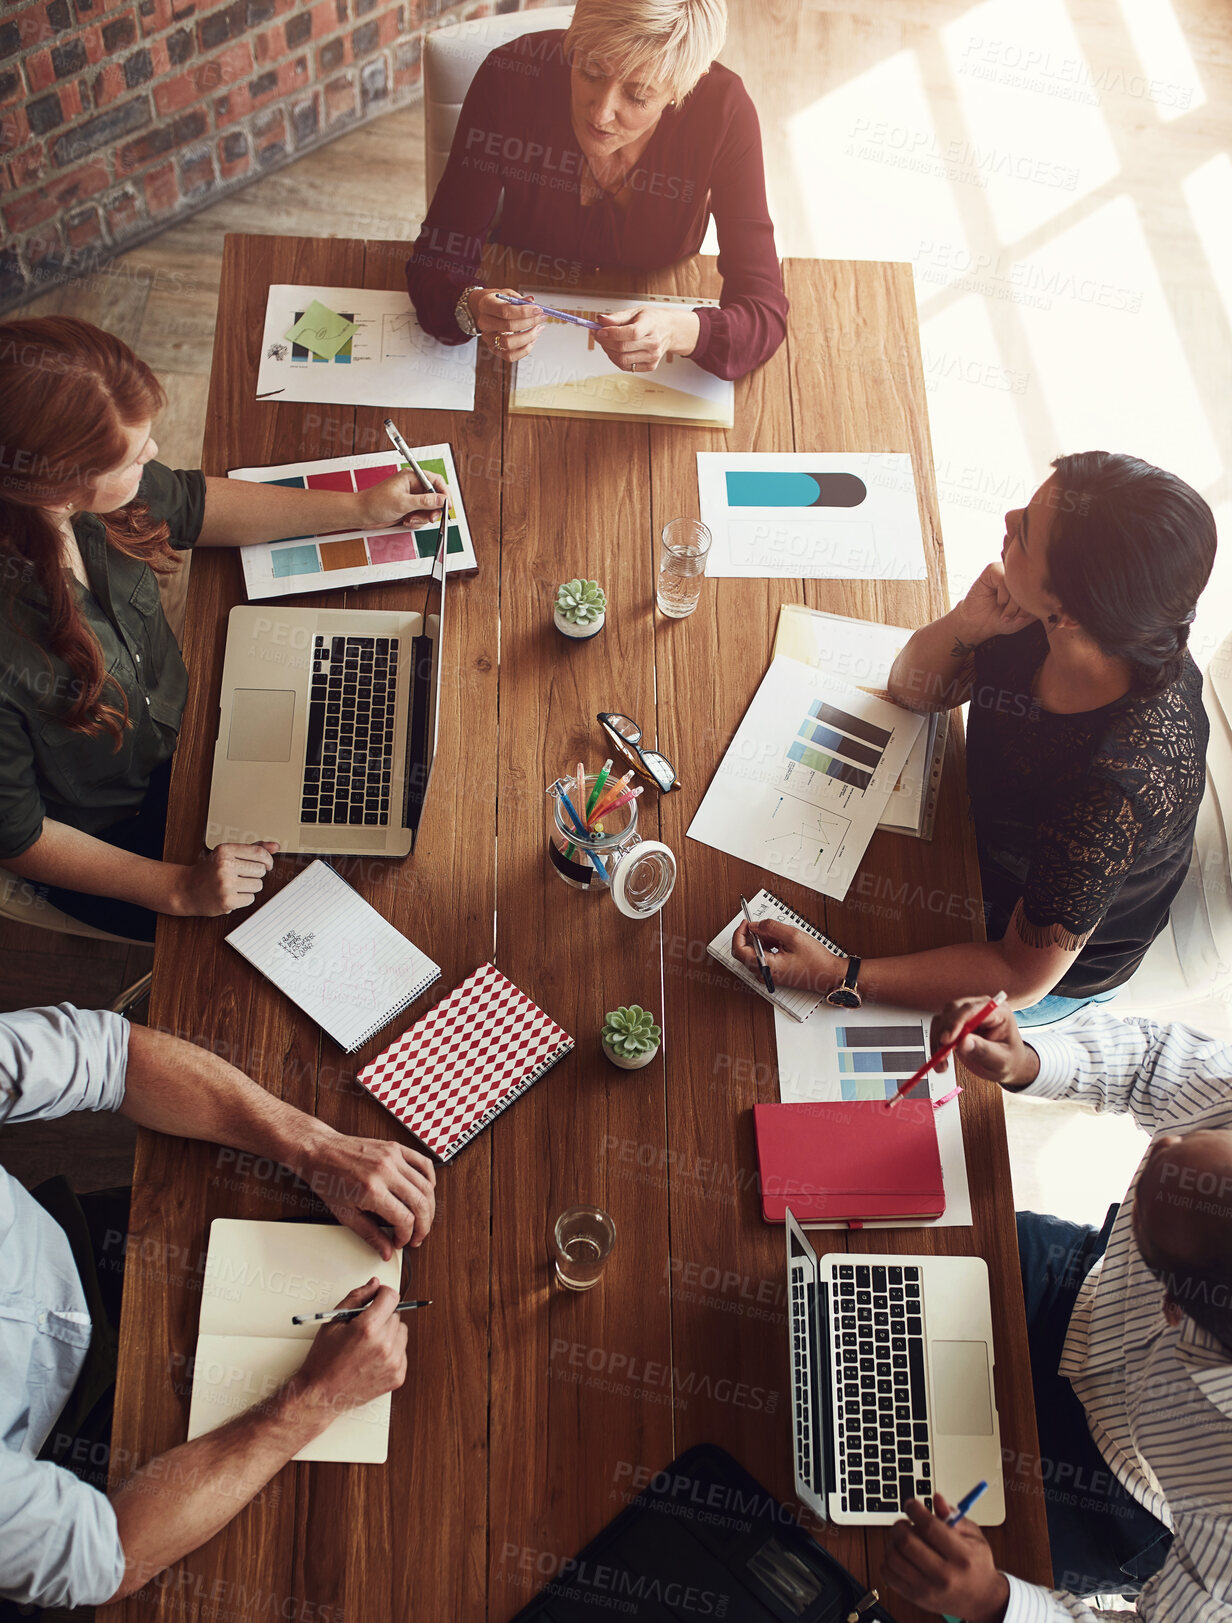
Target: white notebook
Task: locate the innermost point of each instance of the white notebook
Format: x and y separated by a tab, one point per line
257	1275
798	1004
334	955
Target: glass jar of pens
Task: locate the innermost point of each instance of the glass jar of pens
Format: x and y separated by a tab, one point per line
593	842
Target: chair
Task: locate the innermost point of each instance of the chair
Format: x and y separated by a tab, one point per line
1187	973
22	903
451	57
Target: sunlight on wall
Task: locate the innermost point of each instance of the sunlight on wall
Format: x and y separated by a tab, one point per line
1170	79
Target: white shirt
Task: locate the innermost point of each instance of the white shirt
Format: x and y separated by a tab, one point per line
1158	1397
59	1544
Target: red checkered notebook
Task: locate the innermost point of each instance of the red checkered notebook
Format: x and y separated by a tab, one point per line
454	1071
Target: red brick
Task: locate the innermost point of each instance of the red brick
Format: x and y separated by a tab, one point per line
293	75
108	83
57	196
40	74
11	88
224	69
82	227
158	20
123	213
269	45
340	98
28	167
92	39
34	26
71	99
159	58
270	130
14	129
161	190
228	168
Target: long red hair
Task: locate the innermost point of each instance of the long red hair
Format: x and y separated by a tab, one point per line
68	390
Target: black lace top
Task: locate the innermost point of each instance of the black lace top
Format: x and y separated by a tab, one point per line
1084	823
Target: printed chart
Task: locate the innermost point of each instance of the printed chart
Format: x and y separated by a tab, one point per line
807	776
812	514
387	361
864	1054
352	557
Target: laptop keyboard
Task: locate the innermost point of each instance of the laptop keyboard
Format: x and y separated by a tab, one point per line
349	758
882	1447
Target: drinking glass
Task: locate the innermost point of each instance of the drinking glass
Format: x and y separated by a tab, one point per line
682	564
582	1242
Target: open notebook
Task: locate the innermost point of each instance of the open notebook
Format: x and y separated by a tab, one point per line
323	945
257	1275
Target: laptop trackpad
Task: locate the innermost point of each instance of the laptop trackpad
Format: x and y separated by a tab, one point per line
962	1397
261	725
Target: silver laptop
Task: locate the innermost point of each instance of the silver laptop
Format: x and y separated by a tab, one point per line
328	725
891	1383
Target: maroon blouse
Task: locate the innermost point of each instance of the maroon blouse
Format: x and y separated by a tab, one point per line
515	134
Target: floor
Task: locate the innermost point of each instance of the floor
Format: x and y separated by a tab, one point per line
1059	176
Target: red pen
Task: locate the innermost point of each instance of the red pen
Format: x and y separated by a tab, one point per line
965	1030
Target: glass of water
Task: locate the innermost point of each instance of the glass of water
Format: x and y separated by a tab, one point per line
582	1242
682	565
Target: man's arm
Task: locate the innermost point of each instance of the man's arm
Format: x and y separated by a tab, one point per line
1160	1075
183	1497
175	1087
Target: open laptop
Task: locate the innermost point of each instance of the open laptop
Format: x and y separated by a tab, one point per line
891	1383
328	725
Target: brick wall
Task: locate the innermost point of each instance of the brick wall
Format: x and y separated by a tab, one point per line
118	117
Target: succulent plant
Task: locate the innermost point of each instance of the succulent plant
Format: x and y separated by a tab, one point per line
580	602
630	1031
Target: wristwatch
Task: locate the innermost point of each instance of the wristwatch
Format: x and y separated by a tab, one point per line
844	995
462	311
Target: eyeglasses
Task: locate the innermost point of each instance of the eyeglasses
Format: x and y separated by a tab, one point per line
626	735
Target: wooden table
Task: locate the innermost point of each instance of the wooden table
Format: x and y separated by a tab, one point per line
530	1415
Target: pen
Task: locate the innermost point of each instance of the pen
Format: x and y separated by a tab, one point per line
557	315
759	950
622	800
339	1315
965	1030
965	1504
580	828
404	451
611	792
598	788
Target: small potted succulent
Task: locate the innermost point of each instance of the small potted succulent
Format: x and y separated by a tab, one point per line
581	608
630	1037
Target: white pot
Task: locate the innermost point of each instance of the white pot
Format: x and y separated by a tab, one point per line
631	1064
592	628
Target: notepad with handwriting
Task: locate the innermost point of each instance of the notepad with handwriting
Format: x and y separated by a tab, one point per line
469	1058
334	955
798	1003
257	1276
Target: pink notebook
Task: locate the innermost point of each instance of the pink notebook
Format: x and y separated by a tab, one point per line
453	1072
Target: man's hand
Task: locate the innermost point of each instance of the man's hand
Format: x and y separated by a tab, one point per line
637	340
356	1177
988	610
944	1569
228	877
795	959
356	1360
994	1050
399	500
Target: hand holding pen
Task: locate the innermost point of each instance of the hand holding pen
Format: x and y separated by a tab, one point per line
508	324
766	976
936	1061
943	1563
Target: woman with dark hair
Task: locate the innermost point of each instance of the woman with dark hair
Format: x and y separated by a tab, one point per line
1086	744
92	686
612	144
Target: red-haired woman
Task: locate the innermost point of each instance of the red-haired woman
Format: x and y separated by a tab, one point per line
92	685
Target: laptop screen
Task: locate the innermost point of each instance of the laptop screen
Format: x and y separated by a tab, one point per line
424	713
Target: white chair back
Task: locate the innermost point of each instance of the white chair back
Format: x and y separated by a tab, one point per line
451	57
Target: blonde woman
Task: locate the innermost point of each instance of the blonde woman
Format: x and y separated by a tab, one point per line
612	143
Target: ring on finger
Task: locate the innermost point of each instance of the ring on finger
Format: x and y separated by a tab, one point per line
496	341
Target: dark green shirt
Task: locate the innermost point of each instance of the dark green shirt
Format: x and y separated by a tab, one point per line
48	771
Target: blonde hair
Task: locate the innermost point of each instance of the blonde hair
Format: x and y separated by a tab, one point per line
671	43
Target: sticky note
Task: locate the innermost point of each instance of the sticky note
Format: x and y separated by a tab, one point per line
321	330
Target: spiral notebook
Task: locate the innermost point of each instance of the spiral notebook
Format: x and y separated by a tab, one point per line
469	1058
335	956
798	1004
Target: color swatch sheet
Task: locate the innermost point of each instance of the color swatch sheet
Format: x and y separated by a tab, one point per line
388	361
315	563
568	374
865	1053
812	515
862	651
807	777
257	1276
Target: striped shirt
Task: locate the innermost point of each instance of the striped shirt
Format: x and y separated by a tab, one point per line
1158	1397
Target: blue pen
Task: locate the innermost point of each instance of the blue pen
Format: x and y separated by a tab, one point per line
581	829
964	1505
557	315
